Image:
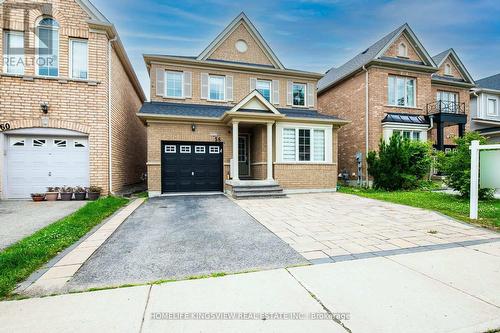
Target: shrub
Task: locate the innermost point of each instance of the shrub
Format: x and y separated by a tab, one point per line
400	164
455	166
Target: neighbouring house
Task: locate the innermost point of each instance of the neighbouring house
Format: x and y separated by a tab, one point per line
395	86
68	100
234	118
484	104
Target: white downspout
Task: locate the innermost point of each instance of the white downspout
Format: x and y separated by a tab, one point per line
366	125
110	156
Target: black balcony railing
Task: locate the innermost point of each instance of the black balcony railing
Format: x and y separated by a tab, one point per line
446	107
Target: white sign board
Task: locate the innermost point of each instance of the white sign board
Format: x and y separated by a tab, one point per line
489	169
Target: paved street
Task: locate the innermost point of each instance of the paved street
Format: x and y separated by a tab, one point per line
448	290
328	227
19	219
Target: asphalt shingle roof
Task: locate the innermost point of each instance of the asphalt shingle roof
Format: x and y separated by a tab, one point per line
217	111
490	82
406	118
440	57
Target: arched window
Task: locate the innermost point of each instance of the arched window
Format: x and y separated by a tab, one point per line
447	69
402	50
47	46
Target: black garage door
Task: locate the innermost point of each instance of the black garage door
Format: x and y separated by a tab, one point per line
191	166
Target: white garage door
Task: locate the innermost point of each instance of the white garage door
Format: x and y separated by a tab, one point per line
34	163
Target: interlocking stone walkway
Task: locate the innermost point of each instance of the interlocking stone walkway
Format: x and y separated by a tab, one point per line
326	227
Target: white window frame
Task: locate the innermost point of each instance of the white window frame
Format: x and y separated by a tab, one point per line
328	155
447	70
199	149
214	150
305	95
37	46
390	128
182	84
170	149
77	142
7	55
14	140
488	99
42	146
65	143
270	82
406	79
71	41
223	88
403	47
185	149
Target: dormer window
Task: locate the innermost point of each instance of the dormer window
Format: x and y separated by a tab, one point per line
402	50
447	69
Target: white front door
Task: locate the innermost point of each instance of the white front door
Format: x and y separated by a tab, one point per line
33	163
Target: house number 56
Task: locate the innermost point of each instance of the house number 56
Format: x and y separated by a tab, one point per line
4	127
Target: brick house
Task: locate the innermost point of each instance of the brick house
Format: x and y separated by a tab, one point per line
234	117
395	85
484	105
69	98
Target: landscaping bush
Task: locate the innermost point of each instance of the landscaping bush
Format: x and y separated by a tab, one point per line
401	164
455	166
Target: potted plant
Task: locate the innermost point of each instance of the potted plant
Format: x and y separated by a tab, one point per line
94	192
80	193
52	193
66	193
37	197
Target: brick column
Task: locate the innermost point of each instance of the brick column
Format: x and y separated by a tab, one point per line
269	151
236	175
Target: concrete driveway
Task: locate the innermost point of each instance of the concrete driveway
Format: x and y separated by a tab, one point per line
334	227
184	236
19	219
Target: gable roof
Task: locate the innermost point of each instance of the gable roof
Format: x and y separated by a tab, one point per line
490	82
241	18
376	52
92	11
441	57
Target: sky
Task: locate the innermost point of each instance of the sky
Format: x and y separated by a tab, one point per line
311	35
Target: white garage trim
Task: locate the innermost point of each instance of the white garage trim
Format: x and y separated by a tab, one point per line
45	131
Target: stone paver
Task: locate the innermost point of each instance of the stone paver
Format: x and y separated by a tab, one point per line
19	219
342	226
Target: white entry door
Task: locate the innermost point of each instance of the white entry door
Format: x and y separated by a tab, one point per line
34	163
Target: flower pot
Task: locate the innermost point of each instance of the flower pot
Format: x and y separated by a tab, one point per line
38	198
80	195
65	196
51	196
94	195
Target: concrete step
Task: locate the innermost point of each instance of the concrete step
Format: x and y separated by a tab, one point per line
275	188
257	195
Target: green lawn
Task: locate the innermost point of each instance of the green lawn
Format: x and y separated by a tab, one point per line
21	259
451	205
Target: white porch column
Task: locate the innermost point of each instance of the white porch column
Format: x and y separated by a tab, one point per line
269	151
235	152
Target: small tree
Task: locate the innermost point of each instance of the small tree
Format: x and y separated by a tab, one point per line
456	166
400	164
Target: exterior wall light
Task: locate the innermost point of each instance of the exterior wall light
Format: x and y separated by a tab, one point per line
193	127
44	107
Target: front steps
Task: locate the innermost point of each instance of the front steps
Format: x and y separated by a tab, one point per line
256	189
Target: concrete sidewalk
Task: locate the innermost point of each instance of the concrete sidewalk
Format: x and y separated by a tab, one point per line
450	290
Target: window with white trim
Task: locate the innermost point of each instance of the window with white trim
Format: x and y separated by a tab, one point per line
299	94
447	69
60	143
79	144
214	150
170	149
185	149
79	60
174	84
303	145
402	50
492	107
413	135
216	88
39	143
17	142
47	46
401	91
199	149
264	87
14	52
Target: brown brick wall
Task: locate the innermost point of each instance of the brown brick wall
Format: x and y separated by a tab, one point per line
304	176
258	152
393	50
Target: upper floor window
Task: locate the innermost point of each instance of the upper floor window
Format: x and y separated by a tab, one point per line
174	84
447	69
492	107
298	94
216	87
79	59
264	87
47	46
14	52
401	91
402	50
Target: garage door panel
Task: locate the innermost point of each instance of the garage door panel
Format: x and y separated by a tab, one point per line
186	170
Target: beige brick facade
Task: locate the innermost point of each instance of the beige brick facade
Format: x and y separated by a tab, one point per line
79	105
